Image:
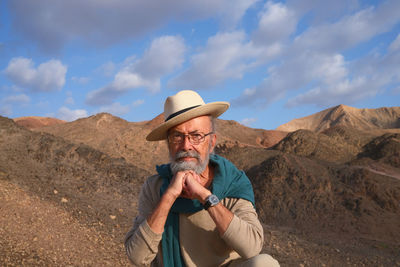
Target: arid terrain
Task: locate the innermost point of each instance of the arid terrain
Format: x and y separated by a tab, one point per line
327	186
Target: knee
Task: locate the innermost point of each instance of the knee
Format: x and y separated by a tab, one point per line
263	260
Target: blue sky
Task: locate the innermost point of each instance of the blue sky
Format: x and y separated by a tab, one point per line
273	61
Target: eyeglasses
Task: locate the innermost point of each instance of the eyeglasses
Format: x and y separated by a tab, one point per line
194	138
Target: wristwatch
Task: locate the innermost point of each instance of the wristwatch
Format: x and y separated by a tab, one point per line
211	201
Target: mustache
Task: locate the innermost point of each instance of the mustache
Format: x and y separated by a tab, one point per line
183	154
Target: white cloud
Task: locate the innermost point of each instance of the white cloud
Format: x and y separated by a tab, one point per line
319	12
296	73
395	45
7	103
368	77
5	110
107	69
339	93
115	109
16	99
48	76
249	91
43	104
11	88
396	90
52	23
233	11
138	103
67	114
69	101
81	80
226	56
164	56
248	121
314	63
350	30
312	38
276	24
230	55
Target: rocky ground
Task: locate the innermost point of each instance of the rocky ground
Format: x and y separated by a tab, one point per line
38	233
294	248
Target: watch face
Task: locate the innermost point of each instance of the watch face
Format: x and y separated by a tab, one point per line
213	200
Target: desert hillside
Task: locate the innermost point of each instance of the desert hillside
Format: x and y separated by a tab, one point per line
327	197
77	201
120	138
34	122
362	119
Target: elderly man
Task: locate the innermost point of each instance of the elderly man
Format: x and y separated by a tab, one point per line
199	209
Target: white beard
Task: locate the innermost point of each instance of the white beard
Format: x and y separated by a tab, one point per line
197	166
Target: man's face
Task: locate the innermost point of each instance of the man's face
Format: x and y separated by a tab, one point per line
188	156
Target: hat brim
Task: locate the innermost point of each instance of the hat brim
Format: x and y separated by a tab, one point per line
214	109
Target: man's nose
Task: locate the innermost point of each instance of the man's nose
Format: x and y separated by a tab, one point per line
186	145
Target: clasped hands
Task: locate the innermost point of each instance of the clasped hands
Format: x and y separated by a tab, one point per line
188	184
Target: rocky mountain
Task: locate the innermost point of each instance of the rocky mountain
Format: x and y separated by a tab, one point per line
326	197
120	138
362	119
341	186
113	136
319	170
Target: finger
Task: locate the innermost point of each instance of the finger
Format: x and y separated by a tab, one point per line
178	178
196	177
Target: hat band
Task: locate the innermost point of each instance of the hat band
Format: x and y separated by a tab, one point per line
180	112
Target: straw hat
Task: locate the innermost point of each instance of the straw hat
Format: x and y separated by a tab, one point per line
183	106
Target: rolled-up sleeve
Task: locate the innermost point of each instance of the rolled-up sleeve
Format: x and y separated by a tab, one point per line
245	233
141	243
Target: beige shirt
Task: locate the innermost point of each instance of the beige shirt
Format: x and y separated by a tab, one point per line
201	244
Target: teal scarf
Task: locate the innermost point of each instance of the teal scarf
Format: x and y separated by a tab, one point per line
228	182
